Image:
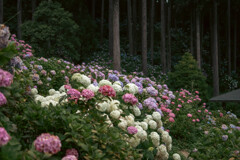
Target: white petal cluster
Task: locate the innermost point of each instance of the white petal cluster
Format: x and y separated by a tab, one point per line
102	107
117	88
104	82
155	138
115	114
93	88
117	83
136	111
134	141
176	156
152	124
84	80
162	153
34	91
131	88
167	139
122	124
156	116
144	125
130	119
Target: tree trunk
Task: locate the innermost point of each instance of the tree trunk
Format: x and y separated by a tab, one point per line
33	8
102	21
93	9
152	29
1	11
235	45
19	17
110	28
191	38
135	27
116	37
229	37
198	40
144	36
163	42
169	61
215	51
130	34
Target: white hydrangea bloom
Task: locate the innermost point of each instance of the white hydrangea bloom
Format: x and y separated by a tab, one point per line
113	105
122	125
136	111
45	104
152	124
142	135
134	141
156	116
176	156
169	147
84	80
51	91
130	120
93	88
117	88
54	103
104	82
162	152
39	98
144	125
115	114
102	107
155	138
62	89
117	83
34	91
131	88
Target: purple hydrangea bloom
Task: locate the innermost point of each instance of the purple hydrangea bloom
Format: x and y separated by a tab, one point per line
6	78
4	136
139	105
150	103
48	143
113	77
132	130
3	99
152	91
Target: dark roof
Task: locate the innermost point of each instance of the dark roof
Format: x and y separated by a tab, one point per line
233	96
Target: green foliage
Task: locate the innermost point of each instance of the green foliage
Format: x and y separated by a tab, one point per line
187	75
7	53
53	33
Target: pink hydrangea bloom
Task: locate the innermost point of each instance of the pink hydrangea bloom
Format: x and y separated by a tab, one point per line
221	114
3	99
4	136
199	111
107	91
48	143
171	119
172	115
129	98
132	130
88	94
6	78
165	97
194	120
72	151
69	157
74	94
189	115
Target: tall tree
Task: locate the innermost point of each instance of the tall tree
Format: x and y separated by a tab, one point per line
33	8
229	36
144	36
93	9
1	11
163	41
235	44
135	27
152	29
110	22
198	38
191	38
102	21
116	37
215	50
169	37
130	34
19	18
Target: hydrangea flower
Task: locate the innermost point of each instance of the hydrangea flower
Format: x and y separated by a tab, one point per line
88	94
3	99
129	98
107	90
69	157
72	151
48	143
132	130
152	91
74	94
113	77
224	137
151	103
6	78
4	136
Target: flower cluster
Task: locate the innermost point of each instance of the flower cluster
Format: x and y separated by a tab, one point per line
6	78
107	90
3	99
87	93
48	143
4	136
129	98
